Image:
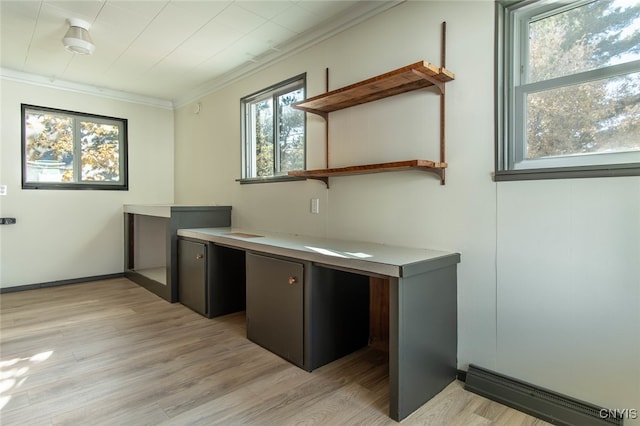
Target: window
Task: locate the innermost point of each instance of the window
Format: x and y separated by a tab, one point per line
568	81
273	133
72	150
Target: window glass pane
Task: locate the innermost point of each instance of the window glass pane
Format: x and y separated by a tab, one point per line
48	147
600	33
72	150
290	132
601	116
273	136
100	148
263	133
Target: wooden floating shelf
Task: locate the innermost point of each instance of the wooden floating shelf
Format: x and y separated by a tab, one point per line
325	174
406	79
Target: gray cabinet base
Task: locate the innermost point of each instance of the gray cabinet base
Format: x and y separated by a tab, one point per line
180	217
422	313
275	289
323	316
423	339
213	285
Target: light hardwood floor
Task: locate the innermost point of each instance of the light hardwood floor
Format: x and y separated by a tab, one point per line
110	352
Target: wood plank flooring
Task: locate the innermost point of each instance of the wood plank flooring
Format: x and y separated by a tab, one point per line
110	352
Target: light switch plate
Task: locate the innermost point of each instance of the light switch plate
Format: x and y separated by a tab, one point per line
315	205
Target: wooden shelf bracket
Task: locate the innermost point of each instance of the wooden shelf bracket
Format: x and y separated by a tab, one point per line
412	77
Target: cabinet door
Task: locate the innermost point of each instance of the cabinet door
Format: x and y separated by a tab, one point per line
275	305
192	275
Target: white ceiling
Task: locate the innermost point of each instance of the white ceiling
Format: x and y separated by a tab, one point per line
165	50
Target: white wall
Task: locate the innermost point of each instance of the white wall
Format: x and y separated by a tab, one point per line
407	208
569	286
548	286
63	235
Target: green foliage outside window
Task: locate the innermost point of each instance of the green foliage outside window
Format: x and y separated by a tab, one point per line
569	89
274	132
64	150
595	116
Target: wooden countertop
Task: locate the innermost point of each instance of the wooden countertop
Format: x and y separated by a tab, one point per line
357	256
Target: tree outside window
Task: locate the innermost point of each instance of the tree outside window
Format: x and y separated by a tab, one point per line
572	85
70	150
273	131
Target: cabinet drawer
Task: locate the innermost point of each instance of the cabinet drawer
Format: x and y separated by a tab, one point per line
275	317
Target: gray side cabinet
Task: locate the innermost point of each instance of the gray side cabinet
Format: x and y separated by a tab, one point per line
211	278
275	320
307	314
151	242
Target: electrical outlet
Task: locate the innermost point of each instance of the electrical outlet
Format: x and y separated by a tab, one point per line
3	189
315	205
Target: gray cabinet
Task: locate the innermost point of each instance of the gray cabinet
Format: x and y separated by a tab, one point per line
275	317
326	315
151	242
303	312
192	275
211	278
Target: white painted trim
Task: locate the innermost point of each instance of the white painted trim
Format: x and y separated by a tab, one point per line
361	12
39	80
357	14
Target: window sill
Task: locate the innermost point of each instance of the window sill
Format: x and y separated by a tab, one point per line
269	179
613	170
74	186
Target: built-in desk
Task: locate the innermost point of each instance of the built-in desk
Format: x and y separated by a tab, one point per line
422	301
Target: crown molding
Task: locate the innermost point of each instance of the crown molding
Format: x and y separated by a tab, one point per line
360	12
54	83
357	14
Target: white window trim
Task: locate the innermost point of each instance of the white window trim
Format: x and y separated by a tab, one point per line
248	159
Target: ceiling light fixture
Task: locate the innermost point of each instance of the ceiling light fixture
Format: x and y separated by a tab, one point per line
77	39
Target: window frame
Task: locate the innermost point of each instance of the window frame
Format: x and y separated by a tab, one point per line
122	123
247	154
510	101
